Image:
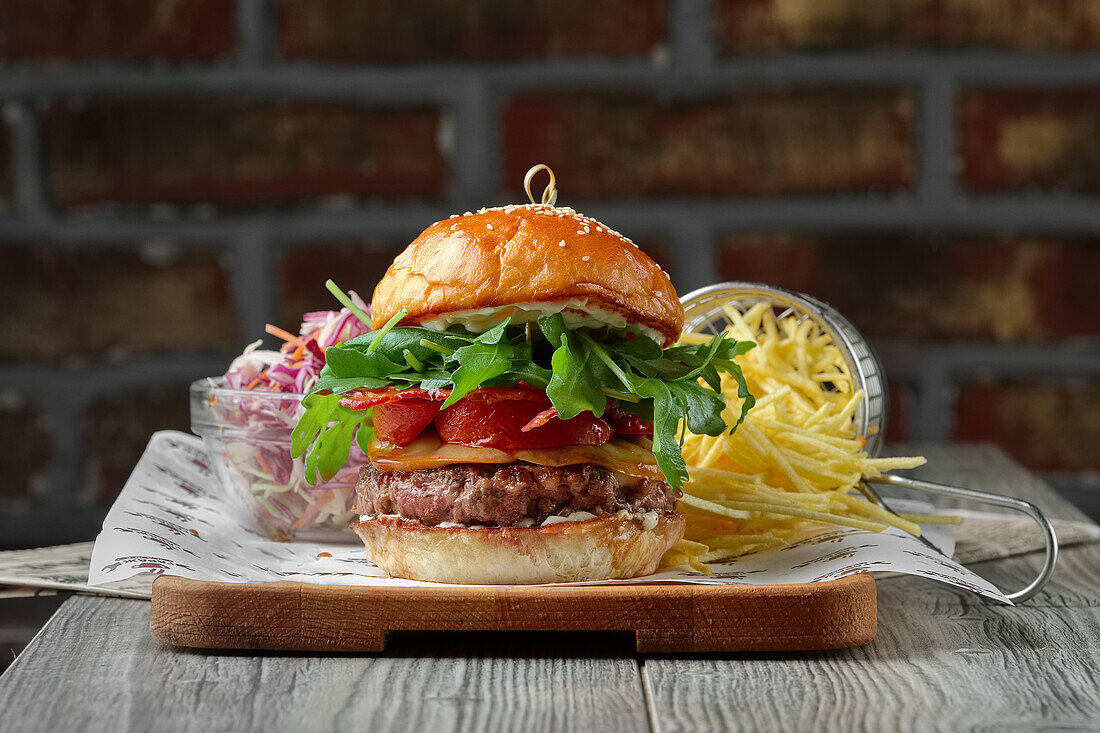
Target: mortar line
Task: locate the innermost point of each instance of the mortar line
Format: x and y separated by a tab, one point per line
98	380
690	39
65	407
27	164
255	33
425	83
1026	213
694	255
935	391
253	282
474	147
935	143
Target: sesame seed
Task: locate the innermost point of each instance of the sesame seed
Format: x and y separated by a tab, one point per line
561	243
489	227
586	258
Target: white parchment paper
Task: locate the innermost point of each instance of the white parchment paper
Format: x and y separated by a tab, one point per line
173	517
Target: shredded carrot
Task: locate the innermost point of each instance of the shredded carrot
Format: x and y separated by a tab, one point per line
314	509
253	383
263	464
284	335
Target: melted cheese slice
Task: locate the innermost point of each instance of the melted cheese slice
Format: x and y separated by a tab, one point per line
428	451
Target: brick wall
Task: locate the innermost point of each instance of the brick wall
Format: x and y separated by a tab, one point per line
174	175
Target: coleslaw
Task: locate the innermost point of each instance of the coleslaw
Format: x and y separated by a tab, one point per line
246	418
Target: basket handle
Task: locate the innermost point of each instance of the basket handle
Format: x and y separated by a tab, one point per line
984	497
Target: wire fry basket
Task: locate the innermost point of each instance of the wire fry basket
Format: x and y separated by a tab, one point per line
706	312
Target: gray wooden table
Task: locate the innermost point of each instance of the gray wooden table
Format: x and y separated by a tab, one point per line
943	660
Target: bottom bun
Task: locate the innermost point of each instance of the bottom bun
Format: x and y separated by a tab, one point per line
612	546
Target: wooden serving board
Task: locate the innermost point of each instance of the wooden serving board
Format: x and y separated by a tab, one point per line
672	617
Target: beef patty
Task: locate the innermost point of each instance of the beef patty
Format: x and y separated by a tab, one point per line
503	495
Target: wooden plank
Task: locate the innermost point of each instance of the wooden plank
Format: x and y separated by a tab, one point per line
943	659
671	617
97	668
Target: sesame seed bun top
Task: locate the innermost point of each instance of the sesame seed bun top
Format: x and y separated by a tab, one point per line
521	261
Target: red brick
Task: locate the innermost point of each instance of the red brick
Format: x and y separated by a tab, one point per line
146	150
117	429
379	31
27	440
86	30
1030	139
897	418
303	272
921	287
69	307
756	142
1045	425
753	26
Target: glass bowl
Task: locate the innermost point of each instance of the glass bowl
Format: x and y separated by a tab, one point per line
247	435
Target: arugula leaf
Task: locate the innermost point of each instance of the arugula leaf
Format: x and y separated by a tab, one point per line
704	358
533	374
553	328
329	427
478	363
572	388
666	446
703	407
640	347
748	401
365	434
428	375
352	363
493	335
341	385
312	421
603	356
397	340
674	389
433	384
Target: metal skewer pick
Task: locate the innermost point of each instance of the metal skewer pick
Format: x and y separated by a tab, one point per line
704	314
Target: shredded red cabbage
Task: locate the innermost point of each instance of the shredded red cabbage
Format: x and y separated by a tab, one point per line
257	456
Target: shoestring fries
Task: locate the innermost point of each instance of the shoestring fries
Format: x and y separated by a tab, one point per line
796	459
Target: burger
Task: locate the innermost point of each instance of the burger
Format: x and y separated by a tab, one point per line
521	398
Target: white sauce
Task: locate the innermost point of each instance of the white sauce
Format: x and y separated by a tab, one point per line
574	517
649	520
576	312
